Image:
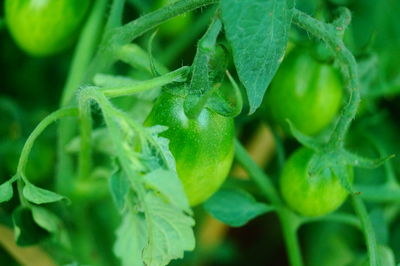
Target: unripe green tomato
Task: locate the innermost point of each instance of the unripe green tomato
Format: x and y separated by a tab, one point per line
311	196
174	26
306	92
44	27
203	147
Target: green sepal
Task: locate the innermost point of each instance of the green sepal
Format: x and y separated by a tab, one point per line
27	231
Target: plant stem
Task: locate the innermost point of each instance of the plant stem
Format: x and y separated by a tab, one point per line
259	177
369	233
138	58
85	151
83	53
125	34
134	29
290	224
192	108
23	159
380	194
185	39
344	218
290	221
178	75
201	87
115	16
332	35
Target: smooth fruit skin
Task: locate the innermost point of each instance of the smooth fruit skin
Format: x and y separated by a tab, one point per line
311	196
44	27
306	92
203	147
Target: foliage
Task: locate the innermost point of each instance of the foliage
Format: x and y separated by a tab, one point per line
145	131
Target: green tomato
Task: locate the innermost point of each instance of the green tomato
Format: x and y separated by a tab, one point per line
306	92
203	147
311	196
174	26
44	27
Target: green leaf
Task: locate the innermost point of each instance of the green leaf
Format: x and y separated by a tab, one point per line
119	186
235	207
27	232
155	237
157	149
45	219
168	230
6	191
169	185
131	239
101	142
258	33
39	195
171	232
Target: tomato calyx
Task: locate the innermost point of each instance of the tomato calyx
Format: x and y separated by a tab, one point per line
206	88
334	156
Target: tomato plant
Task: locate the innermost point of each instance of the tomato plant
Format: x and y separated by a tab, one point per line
138	148
175	26
202	147
44	27
304	91
311	195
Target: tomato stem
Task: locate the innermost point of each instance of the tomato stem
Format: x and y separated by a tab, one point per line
329	34
290	221
193	109
369	232
125	34
332	34
23	159
138	58
174	76
83	54
115	16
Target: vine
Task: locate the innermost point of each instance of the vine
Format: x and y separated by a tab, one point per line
145	185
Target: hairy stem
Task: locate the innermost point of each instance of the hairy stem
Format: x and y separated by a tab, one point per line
83	54
344	218
85	151
125	34
290	221
174	76
369	233
84	51
332	35
186	38
23	159
115	17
